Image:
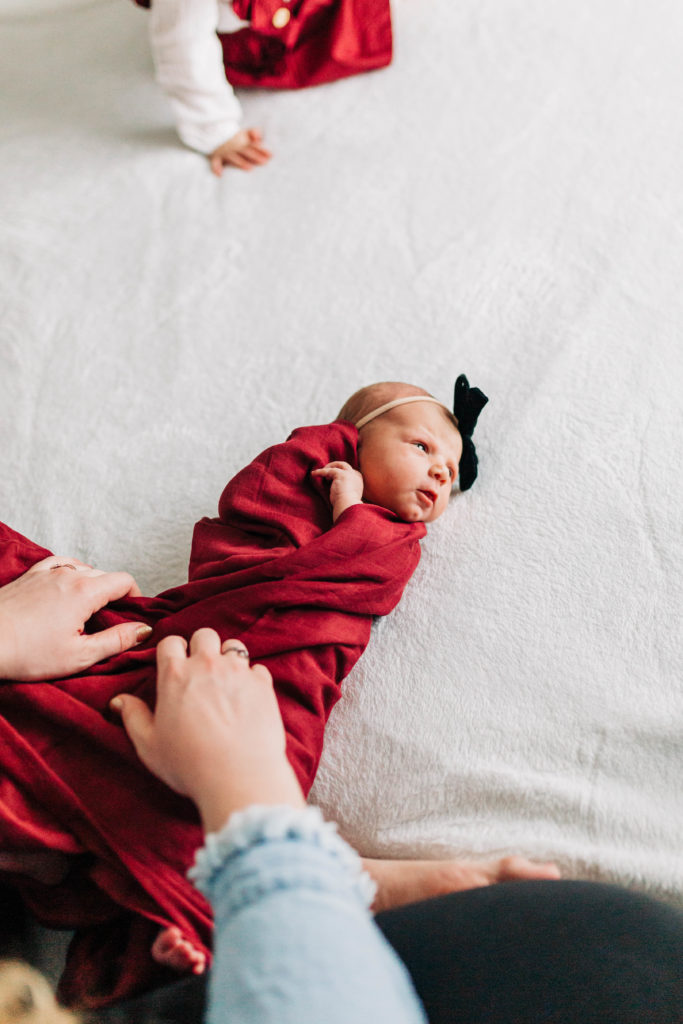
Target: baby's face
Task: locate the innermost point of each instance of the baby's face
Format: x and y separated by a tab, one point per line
409	460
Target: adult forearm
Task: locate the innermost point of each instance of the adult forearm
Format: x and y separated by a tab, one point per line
295	943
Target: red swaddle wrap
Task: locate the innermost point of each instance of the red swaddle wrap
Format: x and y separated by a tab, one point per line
271	570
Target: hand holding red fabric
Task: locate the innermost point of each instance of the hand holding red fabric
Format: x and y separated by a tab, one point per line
216	734
43	615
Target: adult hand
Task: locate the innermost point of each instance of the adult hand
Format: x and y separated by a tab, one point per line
243	150
43	615
216	734
406	881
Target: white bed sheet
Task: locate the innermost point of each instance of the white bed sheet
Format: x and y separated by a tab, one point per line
505	200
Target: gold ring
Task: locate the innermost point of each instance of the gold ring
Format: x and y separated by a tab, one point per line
63	565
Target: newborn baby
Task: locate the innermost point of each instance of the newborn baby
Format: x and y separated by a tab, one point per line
314	538
409	453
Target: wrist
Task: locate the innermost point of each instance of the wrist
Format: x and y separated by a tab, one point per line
342	504
232	787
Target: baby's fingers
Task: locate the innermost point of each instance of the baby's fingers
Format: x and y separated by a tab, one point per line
326	473
237	160
331	469
254	156
220	160
217	165
257	154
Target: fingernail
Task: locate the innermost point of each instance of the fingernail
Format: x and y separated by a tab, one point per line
116	703
142	633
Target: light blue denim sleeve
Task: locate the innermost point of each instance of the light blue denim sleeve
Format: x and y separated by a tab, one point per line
294	940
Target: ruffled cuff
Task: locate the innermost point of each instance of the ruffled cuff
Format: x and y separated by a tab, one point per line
262	824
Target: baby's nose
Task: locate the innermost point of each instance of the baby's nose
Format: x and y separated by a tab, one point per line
439	471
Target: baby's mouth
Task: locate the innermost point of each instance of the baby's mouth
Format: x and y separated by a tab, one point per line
427	498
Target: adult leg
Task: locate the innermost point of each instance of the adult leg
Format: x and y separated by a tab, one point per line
514	953
550	952
181	1002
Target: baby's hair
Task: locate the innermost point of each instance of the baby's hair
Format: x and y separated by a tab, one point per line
373	396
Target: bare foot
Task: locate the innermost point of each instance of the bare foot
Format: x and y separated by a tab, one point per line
406	881
172	950
49	868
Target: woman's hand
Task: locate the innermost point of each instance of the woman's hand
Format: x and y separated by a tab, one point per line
216	734
243	150
43	614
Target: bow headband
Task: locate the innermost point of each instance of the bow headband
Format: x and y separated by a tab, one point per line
467	404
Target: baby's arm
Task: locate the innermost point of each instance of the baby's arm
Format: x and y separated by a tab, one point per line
189	67
346	486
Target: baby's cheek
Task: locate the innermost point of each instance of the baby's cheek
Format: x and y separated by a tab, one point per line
438	510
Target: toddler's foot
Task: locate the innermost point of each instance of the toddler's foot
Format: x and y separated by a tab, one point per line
406	881
172	950
48	867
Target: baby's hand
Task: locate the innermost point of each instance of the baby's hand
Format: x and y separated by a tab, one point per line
346	486
243	150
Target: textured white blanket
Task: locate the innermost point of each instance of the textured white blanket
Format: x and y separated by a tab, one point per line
505	200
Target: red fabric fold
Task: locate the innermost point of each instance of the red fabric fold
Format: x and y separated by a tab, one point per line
272	570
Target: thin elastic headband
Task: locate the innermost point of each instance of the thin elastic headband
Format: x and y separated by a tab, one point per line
399	401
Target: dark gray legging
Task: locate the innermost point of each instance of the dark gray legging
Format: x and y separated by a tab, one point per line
514	953
551	952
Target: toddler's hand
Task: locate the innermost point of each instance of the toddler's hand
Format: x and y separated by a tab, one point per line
346	486
243	150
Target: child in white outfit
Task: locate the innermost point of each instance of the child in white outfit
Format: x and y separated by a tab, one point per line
263	43
189	67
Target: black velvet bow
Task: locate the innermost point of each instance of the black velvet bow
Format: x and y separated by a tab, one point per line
467	404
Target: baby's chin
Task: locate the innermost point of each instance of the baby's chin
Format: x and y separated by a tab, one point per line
413	513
